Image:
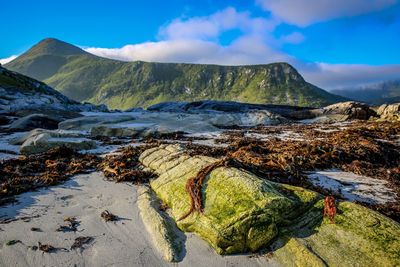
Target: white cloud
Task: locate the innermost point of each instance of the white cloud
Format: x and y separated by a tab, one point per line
195	40
209	27
244	50
306	12
7	59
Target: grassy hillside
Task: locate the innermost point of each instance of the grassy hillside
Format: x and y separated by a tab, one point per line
85	77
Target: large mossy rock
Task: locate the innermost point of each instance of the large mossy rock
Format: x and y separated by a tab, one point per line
359	237
244	213
241	212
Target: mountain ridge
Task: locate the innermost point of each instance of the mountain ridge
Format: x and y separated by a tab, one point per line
86	77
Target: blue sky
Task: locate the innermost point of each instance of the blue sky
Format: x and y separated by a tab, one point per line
333	43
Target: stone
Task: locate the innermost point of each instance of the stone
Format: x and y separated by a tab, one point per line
349	111
34	121
389	112
161	228
41	141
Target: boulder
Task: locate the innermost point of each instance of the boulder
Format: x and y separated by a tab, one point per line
34	121
40	141
245	213
241	212
349	111
389	112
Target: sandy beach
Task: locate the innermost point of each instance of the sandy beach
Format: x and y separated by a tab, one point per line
124	242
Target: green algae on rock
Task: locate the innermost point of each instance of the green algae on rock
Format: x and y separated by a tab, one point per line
359	237
241	212
245	213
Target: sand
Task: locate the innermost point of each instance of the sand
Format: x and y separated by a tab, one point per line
121	243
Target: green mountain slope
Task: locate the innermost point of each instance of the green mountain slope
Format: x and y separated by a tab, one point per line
85	77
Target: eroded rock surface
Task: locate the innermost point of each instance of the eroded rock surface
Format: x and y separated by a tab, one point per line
38	141
244	213
389	112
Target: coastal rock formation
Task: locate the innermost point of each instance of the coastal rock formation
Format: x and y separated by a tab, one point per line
350	110
242	212
145	123
389	112
34	121
38	141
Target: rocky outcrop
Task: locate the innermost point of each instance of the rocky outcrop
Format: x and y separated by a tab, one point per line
34	121
38	141
18	92
389	112
224	106
349	111
149	123
244	213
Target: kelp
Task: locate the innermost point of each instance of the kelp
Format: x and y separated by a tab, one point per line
125	166
50	168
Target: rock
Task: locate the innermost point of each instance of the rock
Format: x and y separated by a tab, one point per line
34	121
349	111
87	122
241	212
359	237
161	228
55	133
244	213
39	141
223	106
153	123
19	92
388	112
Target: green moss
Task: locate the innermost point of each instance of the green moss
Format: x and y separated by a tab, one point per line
241	211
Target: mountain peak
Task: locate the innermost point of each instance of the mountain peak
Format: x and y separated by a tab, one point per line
52	46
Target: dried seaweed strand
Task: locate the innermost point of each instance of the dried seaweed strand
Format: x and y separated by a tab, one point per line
194	185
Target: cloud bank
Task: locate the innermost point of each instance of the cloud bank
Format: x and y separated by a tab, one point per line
7	59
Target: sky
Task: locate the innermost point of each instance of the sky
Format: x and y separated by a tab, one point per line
333	43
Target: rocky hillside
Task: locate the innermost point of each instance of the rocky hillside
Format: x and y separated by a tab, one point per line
19	92
85	77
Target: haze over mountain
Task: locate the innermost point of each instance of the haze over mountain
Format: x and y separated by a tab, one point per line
385	92
86	77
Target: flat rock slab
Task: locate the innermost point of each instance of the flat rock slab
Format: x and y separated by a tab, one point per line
38	141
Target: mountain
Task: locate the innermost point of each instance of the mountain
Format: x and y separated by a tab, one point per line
385	92
86	77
